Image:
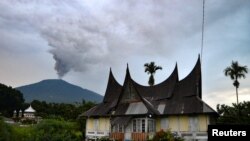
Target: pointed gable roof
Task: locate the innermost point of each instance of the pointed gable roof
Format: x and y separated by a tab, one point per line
170	97
162	90
127	76
127	108
191	84
128	84
110	99
113	89
187	95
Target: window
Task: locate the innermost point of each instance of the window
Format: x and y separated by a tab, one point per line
151	125
120	128
117	128
138	125
114	128
143	125
134	125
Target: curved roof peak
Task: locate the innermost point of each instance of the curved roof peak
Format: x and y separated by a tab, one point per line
111	77
127	76
196	69
113	88
191	84
173	74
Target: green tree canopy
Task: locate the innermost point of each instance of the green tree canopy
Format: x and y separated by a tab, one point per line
5	131
235	72
47	130
60	110
55	130
235	114
151	69
10	100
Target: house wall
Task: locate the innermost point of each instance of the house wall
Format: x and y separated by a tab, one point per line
97	127
90	124
103	124
183	123
158	124
173	123
203	122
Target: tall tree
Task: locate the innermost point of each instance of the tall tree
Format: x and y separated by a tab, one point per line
235	114
151	68
235	72
10	100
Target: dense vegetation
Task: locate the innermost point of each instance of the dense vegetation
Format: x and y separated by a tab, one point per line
10	100
235	114
60	121
60	110
166	136
47	130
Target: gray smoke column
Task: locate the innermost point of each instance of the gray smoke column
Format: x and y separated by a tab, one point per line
87	34
60	66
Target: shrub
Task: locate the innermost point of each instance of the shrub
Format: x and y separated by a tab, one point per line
5	131
54	130
166	136
104	139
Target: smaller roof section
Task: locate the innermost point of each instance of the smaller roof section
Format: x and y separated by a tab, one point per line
30	110
121	120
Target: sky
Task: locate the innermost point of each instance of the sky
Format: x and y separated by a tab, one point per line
80	40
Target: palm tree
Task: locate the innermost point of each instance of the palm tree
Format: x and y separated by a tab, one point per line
151	68
235	71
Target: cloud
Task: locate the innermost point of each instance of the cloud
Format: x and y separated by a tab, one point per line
226	97
85	34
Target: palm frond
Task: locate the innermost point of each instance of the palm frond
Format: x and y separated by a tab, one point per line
158	68
151	68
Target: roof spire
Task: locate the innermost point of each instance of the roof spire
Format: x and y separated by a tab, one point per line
111	77
112	89
127	71
176	71
127	76
110	73
199	59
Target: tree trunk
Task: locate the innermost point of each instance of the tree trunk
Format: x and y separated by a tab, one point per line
236	84
151	80
237	95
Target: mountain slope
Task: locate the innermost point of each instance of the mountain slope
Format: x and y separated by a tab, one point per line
56	90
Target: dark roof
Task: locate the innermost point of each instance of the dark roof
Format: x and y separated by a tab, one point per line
99	110
121	120
162	90
191	84
113	90
171	97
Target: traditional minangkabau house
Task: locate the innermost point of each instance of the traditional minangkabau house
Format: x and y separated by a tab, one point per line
135	112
